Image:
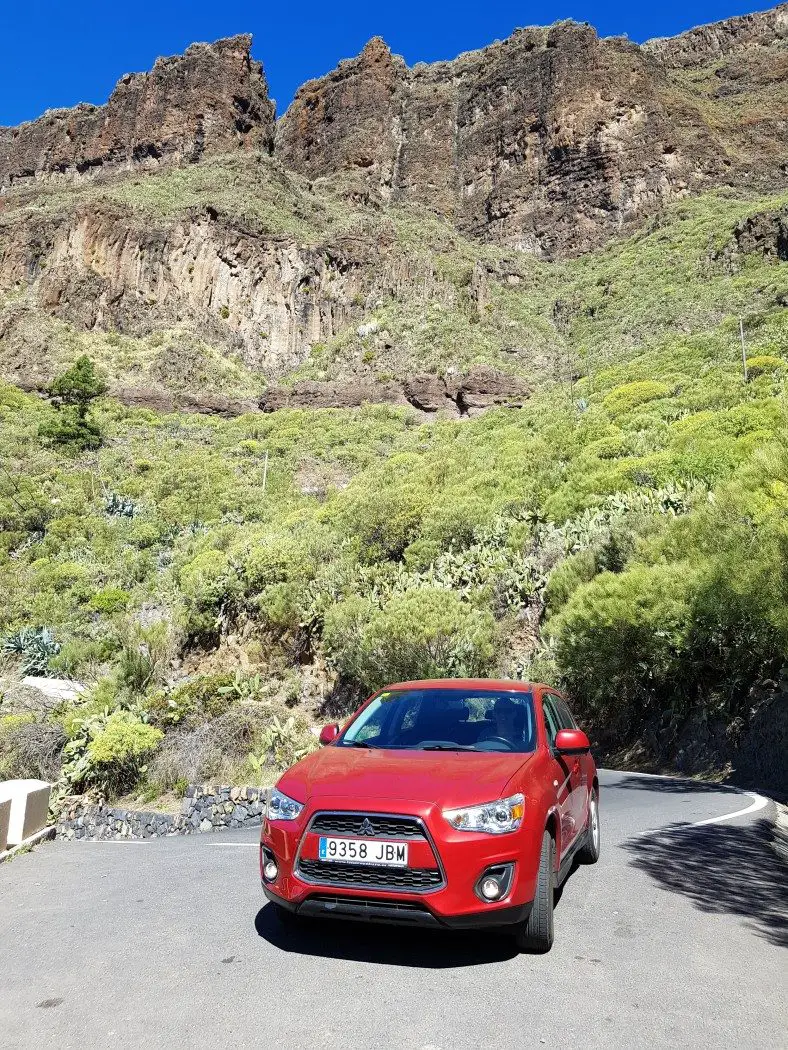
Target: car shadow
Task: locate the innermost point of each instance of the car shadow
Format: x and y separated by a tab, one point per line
721	869
400	946
389	945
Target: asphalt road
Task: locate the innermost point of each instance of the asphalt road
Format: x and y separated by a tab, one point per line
675	939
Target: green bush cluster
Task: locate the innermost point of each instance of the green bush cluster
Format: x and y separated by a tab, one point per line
423	633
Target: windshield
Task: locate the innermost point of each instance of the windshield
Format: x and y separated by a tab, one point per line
445	719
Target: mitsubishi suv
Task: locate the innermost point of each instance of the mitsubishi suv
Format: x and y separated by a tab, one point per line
446	803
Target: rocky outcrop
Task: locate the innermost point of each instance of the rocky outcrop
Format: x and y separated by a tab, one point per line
479	389
758	30
763	234
104	267
211	99
550	141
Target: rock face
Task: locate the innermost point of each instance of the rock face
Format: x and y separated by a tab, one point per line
751	32
763	234
211	99
481	388
106	268
550	141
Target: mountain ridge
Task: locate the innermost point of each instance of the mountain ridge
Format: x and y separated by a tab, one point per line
552	127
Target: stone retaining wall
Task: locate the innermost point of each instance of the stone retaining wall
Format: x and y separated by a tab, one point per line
204	808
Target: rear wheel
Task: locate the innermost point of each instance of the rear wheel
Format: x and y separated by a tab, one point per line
536	933
589	851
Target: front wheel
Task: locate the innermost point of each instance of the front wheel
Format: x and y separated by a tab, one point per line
589	851
536	933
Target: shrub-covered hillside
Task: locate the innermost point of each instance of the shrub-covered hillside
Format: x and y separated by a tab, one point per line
218	585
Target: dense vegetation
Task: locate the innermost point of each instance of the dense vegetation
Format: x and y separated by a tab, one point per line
624	534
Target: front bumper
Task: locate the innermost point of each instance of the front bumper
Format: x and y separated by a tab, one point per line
396	912
452	902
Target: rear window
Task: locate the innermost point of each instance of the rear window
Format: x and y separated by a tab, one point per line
445	720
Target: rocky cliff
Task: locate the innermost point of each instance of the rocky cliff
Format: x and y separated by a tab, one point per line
749	34
211	99
551	141
407	197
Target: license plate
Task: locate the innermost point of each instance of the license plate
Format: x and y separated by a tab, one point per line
365	851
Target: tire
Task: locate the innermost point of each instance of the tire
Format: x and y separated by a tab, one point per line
536	933
589	851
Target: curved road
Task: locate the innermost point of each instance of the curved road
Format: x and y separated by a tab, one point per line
675	939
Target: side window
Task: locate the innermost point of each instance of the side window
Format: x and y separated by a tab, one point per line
564	714
550	718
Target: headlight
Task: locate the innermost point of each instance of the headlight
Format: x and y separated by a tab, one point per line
280	807
494	818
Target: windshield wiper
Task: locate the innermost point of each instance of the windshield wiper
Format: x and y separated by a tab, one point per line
447	747
360	743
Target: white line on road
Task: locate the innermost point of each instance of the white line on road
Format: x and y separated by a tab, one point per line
759	802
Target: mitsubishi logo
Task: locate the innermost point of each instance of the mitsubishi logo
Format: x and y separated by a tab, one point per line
366	828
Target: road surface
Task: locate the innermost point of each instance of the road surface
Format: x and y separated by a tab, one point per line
675	939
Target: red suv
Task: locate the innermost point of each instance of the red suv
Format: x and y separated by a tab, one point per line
455	802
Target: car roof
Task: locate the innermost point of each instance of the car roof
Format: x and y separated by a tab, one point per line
482	684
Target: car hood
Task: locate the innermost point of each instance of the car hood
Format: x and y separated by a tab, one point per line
450	778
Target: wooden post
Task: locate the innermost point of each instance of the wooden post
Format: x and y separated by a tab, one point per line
743	350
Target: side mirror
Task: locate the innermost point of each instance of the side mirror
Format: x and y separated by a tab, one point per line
572	742
329	733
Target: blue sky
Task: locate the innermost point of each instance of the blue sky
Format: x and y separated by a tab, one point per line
59	52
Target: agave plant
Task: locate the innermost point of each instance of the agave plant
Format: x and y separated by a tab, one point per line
36	646
117	506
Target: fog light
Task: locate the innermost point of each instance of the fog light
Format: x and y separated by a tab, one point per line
495	883
491	888
270	870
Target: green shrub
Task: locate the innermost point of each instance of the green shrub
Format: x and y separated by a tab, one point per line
109	600
757	366
567	576
424	633
625	398
208	584
117	751
145	655
195	701
619	641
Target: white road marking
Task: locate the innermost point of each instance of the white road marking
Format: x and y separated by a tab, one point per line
759	802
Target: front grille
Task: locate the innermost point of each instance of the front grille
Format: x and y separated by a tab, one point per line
384	826
367	875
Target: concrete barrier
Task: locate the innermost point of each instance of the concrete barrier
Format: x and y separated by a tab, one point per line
29	807
5	816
